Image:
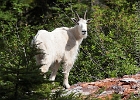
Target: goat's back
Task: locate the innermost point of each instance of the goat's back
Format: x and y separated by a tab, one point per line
52	43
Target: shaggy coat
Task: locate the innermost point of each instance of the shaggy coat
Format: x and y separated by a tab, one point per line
60	45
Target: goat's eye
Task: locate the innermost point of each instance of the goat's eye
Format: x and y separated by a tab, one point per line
77	23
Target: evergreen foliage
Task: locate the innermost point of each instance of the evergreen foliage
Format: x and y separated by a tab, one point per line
110	50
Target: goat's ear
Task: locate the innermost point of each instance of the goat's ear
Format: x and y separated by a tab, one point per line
74	20
89	20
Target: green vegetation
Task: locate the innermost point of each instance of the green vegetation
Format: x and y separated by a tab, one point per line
111	49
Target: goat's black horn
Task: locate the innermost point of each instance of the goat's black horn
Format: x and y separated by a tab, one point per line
77	15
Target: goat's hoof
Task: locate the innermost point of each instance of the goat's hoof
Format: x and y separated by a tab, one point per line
44	76
67	86
52	80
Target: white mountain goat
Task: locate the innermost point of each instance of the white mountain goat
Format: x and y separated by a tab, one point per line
60	46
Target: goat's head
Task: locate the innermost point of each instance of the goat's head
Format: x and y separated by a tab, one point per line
81	24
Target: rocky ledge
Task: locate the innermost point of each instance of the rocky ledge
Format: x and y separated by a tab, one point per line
125	86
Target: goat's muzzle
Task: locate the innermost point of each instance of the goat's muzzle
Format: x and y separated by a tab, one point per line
84	32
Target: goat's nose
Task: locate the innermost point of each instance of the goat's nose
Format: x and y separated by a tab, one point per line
84	32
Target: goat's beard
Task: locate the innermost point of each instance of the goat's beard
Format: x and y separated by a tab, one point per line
84	36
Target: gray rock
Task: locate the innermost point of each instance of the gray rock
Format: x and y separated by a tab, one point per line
128	80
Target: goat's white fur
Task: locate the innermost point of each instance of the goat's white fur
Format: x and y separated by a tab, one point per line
60	45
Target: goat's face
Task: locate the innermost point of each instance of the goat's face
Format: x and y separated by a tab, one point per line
82	27
81	24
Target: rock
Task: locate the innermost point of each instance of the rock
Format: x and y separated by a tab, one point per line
124	86
128	80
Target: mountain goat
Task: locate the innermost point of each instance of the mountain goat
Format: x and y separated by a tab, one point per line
60	46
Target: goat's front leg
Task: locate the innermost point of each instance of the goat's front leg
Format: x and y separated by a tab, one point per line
66	70
66	82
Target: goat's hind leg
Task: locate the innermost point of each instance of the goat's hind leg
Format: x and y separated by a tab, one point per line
54	70
43	58
44	68
46	63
